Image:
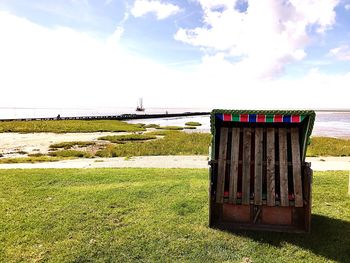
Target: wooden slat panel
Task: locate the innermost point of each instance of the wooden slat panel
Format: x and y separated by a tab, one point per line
282	137
298	192
221	165
258	166
234	166
270	169
246	165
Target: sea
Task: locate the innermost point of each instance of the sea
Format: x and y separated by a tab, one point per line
328	123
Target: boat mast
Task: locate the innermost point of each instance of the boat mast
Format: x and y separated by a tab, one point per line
140	105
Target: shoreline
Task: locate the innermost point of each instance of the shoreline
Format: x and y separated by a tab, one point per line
120	117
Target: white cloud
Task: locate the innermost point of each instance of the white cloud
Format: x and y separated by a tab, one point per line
210	4
228	86
46	67
269	35
341	53
160	9
60	67
117	34
347	7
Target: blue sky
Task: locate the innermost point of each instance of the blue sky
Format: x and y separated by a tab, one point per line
144	35
178	53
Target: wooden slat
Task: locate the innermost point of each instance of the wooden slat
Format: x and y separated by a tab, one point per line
283	166
221	165
298	192
246	166
270	167
234	166
307	194
258	166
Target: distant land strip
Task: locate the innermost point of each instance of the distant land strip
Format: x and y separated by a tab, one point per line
113	117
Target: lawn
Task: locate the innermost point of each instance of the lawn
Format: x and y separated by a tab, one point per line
61	126
132	215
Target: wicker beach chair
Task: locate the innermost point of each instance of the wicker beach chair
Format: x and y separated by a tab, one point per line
258	175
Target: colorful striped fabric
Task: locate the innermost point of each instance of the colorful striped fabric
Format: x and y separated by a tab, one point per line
273	118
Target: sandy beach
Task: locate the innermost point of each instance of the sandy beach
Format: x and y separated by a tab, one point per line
14	144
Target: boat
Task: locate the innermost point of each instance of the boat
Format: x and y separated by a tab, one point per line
140	105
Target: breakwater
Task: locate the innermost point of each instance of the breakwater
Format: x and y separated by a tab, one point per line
113	117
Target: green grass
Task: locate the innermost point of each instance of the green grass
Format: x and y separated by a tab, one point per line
160	132
190	128
325	146
61	126
171	128
193	123
151	126
174	143
148	215
68	145
35	158
71	153
129	137
180	143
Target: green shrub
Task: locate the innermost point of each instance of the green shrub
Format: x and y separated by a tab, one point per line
128	137
33	159
70	153
193	123
36	155
151	126
22	152
160	132
68	145
172	128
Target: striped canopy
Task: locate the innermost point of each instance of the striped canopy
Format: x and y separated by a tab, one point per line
305	118
270	118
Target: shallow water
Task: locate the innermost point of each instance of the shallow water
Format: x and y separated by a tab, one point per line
330	124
